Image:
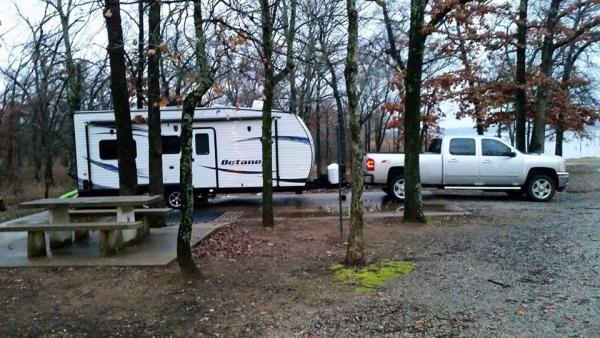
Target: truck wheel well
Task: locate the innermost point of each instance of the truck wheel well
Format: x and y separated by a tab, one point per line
393	172
542	171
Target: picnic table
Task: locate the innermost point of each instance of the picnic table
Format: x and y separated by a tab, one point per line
113	235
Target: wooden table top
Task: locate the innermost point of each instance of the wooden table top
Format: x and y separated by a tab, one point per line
100	201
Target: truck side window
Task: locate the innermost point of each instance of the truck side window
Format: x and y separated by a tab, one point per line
462	146
108	149
435	147
170	144
202	145
494	148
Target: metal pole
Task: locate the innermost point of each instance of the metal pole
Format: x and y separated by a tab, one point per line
339	181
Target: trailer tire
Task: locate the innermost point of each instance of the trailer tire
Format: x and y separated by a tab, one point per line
173	198
541	188
396	188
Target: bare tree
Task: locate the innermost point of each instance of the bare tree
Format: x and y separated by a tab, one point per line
355	250
268	12
203	83
120	98
154	123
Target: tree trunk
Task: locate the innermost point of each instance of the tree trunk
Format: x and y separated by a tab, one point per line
270	81
479	126
267	156
413	203
73	82
120	99
184	235
154	125
521	78
327	138
572	56
560	137
267	121
538	137
355	250
340	115
139	82
290	30
473	98
318	152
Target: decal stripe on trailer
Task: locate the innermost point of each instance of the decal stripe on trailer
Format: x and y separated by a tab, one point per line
234	171
304	140
111	167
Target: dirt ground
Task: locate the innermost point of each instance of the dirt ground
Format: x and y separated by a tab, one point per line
514	267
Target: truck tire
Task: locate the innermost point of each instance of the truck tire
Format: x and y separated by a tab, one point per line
396	188
541	188
173	198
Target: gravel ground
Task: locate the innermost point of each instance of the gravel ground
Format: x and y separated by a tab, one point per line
512	268
517	268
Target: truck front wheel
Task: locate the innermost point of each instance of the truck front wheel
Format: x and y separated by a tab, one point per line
396	188
541	188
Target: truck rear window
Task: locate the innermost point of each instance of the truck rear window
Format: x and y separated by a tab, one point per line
435	147
462	146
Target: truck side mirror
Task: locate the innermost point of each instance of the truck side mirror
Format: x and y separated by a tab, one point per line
512	154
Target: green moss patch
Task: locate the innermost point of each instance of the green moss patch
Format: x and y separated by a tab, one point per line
372	276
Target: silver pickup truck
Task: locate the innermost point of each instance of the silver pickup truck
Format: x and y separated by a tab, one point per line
471	163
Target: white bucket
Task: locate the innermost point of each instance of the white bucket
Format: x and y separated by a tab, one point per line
333	173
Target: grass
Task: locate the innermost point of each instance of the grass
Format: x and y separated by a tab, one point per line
372	276
23	187
584	160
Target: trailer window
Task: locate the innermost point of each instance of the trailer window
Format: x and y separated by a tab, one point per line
108	149
462	146
170	144
202	145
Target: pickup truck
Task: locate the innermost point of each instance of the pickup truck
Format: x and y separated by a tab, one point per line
471	163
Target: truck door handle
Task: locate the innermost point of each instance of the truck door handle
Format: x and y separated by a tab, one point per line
486	161
453	160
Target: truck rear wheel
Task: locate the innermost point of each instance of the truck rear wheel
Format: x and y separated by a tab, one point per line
396	188
541	188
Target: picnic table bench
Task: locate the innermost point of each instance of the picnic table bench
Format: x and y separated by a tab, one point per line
113	235
150	216
36	241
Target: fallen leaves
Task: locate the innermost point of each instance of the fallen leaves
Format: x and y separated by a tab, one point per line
229	242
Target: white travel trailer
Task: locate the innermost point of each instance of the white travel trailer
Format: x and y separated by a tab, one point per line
227	151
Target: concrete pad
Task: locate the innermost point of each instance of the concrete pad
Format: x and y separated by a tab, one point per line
158	249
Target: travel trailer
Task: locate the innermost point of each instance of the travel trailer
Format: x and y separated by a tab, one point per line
227	151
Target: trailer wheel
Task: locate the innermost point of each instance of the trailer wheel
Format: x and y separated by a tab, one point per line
541	188
173	199
396	188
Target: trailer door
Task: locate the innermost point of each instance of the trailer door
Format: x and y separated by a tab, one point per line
204	158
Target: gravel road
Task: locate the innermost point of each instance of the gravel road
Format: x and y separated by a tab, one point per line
515	268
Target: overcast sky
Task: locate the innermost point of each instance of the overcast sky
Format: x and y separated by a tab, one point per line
91	40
